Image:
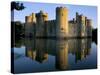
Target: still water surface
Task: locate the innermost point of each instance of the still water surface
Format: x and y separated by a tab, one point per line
41	55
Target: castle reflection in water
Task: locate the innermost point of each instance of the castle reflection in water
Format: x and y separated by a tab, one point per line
40	49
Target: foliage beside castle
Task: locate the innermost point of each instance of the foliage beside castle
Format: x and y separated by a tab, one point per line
38	25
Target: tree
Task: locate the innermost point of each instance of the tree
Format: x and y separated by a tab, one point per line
17	6
16	27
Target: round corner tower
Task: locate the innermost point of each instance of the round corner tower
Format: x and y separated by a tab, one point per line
30	19
33	18
61	22
41	17
30	22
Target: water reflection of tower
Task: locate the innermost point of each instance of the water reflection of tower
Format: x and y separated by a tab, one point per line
61	54
30	48
88	46
78	50
41	50
83	49
72	46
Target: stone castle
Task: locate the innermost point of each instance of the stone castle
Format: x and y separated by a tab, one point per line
38	25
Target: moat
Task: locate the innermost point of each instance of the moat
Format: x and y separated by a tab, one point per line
42	55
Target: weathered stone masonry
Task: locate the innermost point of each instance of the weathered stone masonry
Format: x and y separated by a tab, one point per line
38	25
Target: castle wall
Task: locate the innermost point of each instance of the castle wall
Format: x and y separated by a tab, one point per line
38	25
51	28
72	29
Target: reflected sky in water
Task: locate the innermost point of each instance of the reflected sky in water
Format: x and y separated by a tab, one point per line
42	55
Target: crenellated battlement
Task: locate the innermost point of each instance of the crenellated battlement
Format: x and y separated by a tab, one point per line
80	26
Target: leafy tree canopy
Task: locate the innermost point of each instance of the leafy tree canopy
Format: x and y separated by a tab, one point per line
17	6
